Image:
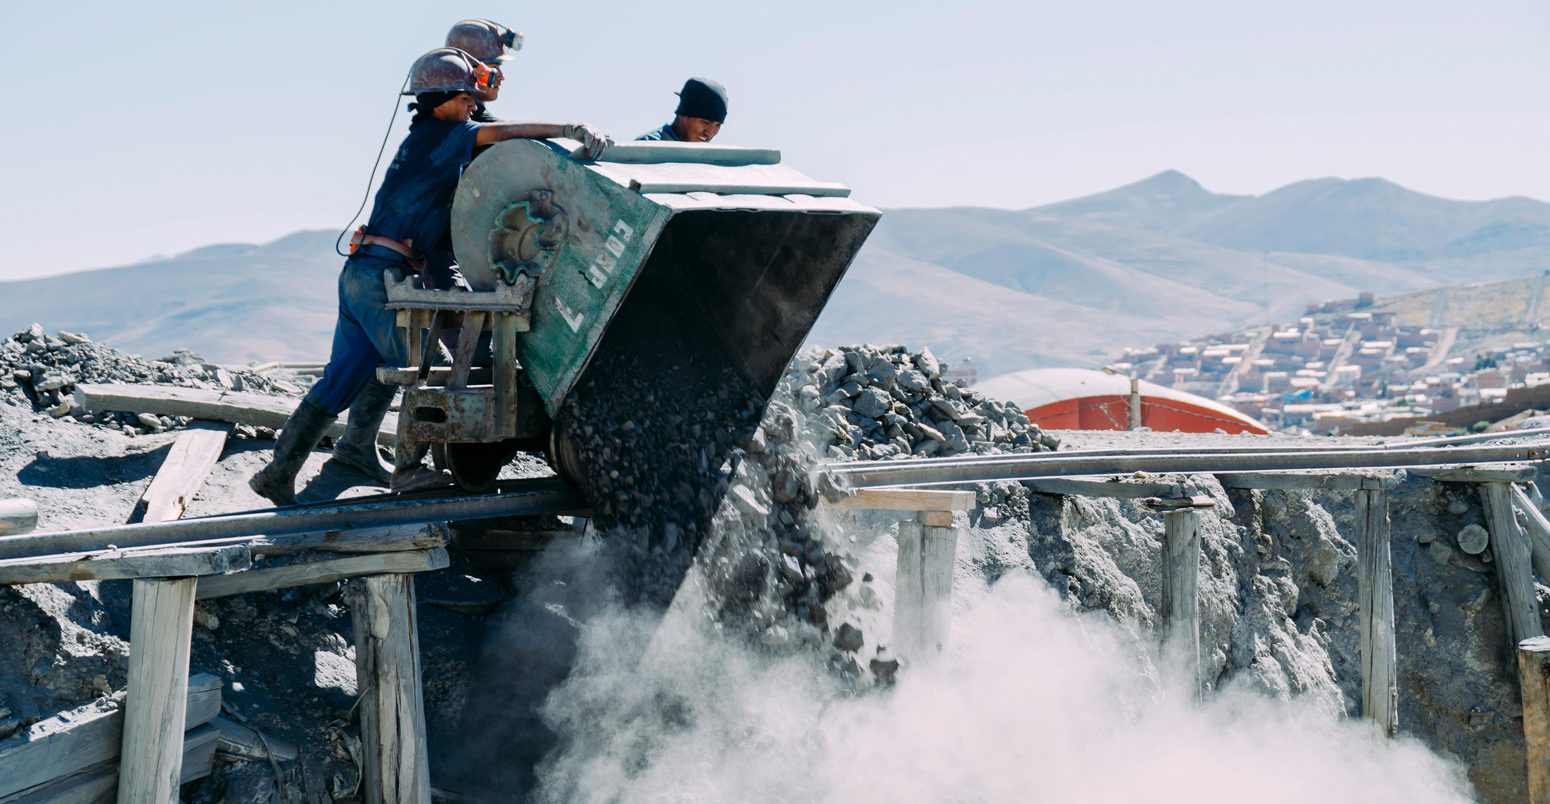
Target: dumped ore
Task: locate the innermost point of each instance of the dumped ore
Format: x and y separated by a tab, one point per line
42	371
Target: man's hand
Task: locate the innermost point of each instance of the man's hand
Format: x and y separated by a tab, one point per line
594	140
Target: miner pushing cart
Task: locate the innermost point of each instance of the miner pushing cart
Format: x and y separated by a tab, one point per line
575	253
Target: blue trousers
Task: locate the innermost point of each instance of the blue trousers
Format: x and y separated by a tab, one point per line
364	335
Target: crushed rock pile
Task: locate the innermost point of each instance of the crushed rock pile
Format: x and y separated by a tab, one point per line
772	570
42	371
879	403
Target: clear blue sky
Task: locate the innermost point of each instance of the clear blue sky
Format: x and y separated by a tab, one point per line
133	129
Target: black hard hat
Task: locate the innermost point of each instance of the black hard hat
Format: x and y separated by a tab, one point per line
703	98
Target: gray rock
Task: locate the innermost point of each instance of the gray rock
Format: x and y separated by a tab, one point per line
54	382
848	638
872	403
73	338
150	421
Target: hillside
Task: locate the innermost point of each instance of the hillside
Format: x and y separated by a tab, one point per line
1062	284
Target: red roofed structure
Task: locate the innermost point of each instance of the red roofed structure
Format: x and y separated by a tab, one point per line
1085	399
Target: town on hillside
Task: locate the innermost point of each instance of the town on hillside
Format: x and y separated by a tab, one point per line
1347	368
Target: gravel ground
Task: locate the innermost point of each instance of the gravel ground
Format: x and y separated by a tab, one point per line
1278	593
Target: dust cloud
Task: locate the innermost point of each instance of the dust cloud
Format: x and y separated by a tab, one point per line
1031	702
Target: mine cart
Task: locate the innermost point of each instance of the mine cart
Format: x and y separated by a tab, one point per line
574	262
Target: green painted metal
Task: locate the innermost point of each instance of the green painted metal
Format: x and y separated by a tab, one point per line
748	247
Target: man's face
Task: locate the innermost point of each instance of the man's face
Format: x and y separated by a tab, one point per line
695	129
459	108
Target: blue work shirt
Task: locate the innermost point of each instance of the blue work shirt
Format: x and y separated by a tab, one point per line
414	204
666	132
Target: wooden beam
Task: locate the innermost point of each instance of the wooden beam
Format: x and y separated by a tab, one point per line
388	539
387	669
1375	604
906	500
308	568
1502	473
245	742
922	607
1534	685
18	515
169	562
72	742
1514	576
257	410
1289	481
98	783
161	624
184	470
1538	533
1181	590
1096	487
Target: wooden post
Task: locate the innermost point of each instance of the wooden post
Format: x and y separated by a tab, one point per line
1514	576
1534	684
156	705
387	668
922	606
18	515
1181	589
1375	590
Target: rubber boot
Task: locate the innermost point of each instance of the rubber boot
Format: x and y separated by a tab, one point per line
358	448
302	432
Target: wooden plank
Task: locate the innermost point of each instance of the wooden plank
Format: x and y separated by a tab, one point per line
184	470
245	742
18	515
1538	531
321	568
386	539
1514	575
1534	685
1375	605
1093	487
936	519
257	410
1504	473
902	499
72	742
174	562
387	669
100	782
1290	481
922	616
1180	610
161	624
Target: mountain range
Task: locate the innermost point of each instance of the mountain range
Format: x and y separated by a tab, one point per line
1069	283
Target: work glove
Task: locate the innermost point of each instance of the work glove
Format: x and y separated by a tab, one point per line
594	140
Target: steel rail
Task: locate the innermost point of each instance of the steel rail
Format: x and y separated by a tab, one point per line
1017	457
1381	446
949	471
284	521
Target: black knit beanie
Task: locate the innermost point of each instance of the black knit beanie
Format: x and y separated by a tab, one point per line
703	98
